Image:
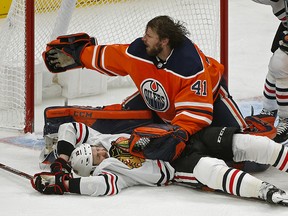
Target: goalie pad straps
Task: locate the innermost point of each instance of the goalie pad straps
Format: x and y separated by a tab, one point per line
158	141
260	128
70	45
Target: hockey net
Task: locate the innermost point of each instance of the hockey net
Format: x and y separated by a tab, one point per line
111	21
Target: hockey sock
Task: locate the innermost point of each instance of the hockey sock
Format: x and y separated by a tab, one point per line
217	175
281	162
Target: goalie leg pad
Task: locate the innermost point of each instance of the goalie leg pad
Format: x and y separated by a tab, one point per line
260	128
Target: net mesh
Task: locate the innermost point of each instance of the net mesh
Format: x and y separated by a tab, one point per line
110	21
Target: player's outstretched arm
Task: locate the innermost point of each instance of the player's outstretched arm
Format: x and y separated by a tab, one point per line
64	53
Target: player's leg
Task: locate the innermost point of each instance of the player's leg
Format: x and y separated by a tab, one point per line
260	149
278	68
217	175
208	173
218	143
270	108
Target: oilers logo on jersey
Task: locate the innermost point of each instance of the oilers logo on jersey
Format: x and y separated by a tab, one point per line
154	95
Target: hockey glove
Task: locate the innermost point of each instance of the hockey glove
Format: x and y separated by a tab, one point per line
158	141
50	183
284	42
260	128
64	53
60	165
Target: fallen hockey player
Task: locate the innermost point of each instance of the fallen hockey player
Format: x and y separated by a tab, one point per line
104	164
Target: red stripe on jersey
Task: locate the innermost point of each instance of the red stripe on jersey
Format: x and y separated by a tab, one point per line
159	164
185	177
112	183
284	163
232	180
80	132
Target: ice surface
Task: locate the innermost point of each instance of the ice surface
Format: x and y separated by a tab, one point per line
252	28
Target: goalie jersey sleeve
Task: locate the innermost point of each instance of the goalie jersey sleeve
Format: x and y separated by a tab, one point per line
111	176
181	90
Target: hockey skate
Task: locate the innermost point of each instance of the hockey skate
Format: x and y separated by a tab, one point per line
272	194
282	131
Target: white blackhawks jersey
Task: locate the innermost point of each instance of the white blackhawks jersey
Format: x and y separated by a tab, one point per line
120	170
112	175
278	8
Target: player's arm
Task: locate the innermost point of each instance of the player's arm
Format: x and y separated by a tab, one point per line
110	178
60	183
110	60
69	134
80	50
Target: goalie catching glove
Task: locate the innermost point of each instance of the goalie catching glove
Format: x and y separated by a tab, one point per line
158	141
50	183
64	53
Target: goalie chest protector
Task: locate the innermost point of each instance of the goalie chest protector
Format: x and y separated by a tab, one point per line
109	119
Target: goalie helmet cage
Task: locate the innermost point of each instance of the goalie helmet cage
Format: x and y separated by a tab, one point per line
111	21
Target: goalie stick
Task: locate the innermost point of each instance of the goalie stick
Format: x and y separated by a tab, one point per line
15	171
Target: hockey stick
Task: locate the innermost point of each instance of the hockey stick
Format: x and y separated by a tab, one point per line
15	171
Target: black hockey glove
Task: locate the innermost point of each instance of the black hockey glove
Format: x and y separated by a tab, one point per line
50	183
284	42
60	165
64	53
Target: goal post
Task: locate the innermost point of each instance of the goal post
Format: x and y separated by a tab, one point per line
29	69
30	24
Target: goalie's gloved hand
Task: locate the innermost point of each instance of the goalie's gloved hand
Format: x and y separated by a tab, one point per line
50	183
64	53
57	59
158	141
60	165
284	42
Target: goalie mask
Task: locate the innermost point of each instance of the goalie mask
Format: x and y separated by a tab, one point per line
82	160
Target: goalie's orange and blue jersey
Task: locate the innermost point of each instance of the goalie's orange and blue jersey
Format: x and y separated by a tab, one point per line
181	90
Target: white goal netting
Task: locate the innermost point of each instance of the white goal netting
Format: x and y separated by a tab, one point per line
110	21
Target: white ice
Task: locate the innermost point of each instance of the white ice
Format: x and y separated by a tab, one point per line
252	28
